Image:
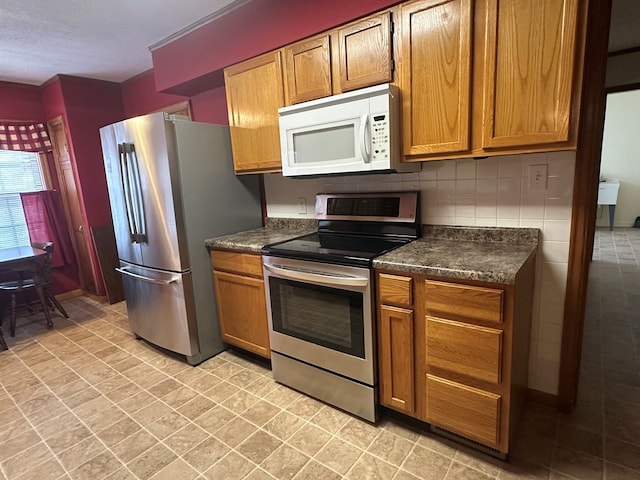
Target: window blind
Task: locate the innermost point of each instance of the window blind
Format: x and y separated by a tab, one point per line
19	172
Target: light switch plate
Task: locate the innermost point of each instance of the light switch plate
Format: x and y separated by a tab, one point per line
537	177
302	205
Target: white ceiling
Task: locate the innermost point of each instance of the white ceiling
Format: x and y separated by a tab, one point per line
101	39
109	40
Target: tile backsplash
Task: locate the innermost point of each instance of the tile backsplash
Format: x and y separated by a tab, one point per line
495	191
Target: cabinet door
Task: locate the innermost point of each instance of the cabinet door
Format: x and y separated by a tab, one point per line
435	77
365	53
242	312
396	358
254	94
308	70
529	61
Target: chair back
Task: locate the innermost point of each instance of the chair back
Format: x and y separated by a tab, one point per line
44	273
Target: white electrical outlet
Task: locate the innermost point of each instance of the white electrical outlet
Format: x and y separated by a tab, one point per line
537	177
302	205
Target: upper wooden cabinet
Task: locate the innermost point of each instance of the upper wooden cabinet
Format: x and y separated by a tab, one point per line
489	77
354	56
308	69
477	78
530	61
435	76
254	93
364	53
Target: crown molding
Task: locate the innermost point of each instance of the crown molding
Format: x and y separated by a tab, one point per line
194	26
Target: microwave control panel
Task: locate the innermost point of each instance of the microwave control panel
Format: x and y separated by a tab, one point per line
380	136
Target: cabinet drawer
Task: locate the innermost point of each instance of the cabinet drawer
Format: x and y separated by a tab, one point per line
395	289
449	300
245	263
466	349
470	412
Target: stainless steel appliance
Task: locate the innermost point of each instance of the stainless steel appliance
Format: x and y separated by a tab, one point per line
320	296
357	131
171	186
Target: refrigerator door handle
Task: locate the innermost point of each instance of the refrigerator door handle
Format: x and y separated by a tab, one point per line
132	199
124	271
141	233
126	189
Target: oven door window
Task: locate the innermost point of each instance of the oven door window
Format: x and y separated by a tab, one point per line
329	317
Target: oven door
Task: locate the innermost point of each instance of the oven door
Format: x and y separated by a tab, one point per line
321	314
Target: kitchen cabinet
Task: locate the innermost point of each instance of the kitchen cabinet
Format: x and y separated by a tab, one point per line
463	359
255	91
477	78
364	53
308	69
240	297
354	56
454	353
435	76
395	340
489	77
530	59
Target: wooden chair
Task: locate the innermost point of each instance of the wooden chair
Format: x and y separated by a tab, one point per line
37	277
46	274
3	343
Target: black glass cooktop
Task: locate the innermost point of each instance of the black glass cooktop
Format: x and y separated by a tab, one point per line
341	249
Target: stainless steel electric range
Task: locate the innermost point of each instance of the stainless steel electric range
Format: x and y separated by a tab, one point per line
320	296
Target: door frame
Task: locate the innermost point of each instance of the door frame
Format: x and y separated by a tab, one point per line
53	124
585	194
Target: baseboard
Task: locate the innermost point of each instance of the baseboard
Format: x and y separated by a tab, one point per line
542	398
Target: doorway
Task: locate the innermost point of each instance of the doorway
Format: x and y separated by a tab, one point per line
72	205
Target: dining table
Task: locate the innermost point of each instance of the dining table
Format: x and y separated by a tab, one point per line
15	259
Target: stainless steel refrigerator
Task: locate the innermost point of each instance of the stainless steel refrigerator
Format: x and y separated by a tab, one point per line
171	186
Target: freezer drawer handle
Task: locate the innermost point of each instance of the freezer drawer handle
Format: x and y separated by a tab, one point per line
315	276
124	271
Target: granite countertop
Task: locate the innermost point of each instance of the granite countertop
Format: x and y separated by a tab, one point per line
275	230
493	255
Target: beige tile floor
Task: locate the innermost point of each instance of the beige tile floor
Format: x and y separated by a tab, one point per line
87	401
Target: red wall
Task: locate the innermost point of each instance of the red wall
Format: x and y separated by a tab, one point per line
20	102
210	107
139	96
192	63
90	105
85	106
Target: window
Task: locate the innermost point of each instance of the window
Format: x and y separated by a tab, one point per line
19	172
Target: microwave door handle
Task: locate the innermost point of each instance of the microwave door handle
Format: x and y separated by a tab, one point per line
365	135
317	277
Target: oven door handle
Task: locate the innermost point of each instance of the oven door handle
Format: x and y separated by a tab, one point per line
314	276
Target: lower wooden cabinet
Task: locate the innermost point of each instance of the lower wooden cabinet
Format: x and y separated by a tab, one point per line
242	308
455	355
395	338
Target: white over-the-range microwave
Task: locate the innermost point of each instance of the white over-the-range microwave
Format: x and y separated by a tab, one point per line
353	132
